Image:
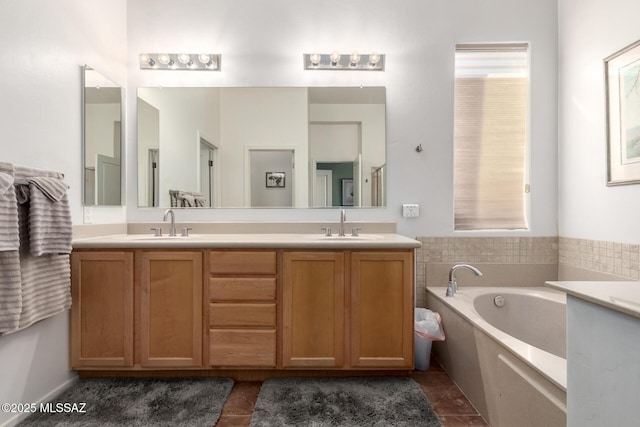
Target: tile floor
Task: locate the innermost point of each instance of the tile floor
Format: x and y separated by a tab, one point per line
447	400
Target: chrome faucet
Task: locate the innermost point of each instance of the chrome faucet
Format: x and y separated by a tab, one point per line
452	287
172	226
343	218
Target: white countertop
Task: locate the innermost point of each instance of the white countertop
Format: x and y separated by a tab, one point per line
250	240
622	296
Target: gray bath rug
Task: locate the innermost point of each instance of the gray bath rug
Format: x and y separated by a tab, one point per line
318	402
137	402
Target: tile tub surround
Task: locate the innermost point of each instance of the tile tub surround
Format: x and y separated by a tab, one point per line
583	259
504	261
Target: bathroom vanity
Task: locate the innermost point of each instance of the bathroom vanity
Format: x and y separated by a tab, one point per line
254	301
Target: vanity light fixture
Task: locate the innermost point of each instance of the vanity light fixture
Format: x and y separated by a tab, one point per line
180	61
337	61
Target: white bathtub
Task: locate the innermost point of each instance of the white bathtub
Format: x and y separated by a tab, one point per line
509	360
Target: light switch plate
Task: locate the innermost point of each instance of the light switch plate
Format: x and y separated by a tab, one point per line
410	210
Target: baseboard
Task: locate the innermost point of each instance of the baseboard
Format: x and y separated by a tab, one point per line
49	396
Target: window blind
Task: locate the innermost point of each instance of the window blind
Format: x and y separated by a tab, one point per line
490	136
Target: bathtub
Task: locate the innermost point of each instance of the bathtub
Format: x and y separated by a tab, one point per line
505	348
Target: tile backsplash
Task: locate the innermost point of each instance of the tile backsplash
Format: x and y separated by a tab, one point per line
513	250
619	259
523	261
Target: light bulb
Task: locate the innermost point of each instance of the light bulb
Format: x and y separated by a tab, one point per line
374	58
144	58
204	58
354	58
164	59
314	58
334	58
184	58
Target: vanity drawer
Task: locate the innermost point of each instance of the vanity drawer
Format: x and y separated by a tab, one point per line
242	262
242	288
236	347
225	315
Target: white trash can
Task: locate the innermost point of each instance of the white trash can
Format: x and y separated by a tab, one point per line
427	329
421	352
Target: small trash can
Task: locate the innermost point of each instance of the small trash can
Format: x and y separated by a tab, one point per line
421	352
427	328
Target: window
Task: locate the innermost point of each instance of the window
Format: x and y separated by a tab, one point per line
490	136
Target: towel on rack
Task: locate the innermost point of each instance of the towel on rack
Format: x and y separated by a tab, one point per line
10	282
50	229
46	287
33	288
10	291
9	240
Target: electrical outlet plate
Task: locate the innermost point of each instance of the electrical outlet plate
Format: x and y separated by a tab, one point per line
410	210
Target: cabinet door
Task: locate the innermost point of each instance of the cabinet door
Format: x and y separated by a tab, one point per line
170	308
382	309
102	309
313	299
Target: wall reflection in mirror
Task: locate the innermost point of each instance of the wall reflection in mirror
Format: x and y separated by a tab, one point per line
102	139
261	147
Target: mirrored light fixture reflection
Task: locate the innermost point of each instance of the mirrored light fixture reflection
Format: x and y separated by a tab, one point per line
337	61
180	61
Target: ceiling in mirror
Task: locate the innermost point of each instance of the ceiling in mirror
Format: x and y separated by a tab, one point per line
102	140
261	147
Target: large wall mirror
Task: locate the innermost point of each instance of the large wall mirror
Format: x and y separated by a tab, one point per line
261	147
102	139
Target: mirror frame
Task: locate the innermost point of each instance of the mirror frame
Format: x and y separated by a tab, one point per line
83	148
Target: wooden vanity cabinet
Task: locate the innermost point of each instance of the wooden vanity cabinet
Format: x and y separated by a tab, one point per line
242	295
381	309
347	309
242	308
170	308
102	309
313	309
136	309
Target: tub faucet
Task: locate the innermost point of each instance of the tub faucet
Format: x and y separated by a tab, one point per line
452	287
172	226
343	218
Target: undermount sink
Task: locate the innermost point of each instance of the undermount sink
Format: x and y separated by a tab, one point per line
347	237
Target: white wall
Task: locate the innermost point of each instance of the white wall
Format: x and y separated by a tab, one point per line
589	31
262	45
42	46
184	115
262	108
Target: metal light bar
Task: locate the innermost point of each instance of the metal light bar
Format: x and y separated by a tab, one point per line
344	62
180	61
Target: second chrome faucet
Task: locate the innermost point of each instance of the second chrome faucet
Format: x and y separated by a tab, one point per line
172	225
452	286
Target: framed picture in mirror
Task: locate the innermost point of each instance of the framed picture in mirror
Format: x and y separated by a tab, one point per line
275	179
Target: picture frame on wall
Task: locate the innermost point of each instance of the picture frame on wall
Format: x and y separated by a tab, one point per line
622	86
347	191
275	179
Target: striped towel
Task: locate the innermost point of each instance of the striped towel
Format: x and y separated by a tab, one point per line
8	214
50	229
10	282
45	287
10	291
33	288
